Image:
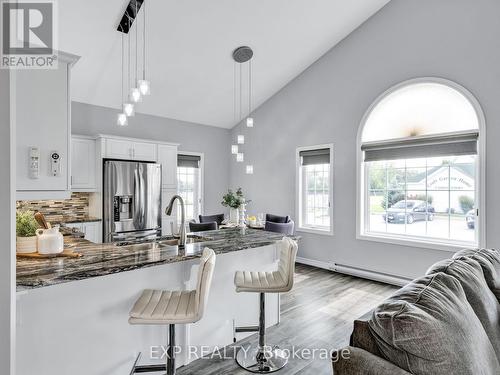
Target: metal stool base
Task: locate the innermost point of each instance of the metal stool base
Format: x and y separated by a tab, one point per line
274	359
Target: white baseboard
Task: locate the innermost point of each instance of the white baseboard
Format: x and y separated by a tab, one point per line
354	271
315	263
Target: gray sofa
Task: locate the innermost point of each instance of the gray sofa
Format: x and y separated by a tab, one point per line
446	322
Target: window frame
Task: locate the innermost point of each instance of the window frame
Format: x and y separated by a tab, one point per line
480	194
299	191
201	179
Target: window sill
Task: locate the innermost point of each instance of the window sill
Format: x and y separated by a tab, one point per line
451	247
324	232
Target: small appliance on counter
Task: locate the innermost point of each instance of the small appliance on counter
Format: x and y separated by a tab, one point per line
50	241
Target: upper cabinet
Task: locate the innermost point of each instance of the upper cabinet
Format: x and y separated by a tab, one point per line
122	148
43	131
83	164
167	157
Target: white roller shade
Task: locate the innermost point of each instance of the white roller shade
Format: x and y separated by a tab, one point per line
422	147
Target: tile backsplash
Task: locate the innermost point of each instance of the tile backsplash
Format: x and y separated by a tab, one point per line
56	211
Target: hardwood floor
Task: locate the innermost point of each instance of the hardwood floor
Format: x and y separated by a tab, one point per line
317	314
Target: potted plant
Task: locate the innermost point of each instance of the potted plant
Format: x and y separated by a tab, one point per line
26	227
234	200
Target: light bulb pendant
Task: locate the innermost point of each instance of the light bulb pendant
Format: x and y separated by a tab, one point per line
135	95
241	139
121	119
249	169
239	157
234	149
249	122
128	109
144	87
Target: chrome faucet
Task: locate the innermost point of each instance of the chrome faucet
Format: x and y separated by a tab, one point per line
168	211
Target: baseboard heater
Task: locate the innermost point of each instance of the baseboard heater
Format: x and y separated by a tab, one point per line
371	275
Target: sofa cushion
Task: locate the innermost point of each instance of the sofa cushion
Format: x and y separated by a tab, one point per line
489	259
428	327
362	337
482	300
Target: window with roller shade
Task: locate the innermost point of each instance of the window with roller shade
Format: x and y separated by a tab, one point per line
420	166
189	185
314	189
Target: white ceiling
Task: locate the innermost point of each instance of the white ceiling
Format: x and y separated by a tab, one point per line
190	44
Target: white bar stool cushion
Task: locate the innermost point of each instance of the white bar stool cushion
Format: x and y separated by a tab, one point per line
164	307
279	281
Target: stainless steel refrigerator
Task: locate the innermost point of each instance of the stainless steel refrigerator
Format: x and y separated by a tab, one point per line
131	200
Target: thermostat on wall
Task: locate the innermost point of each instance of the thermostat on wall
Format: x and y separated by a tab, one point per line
55	163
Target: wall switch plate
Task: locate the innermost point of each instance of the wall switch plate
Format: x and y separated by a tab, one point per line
55	164
34	162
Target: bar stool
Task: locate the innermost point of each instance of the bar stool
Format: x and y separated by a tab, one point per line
163	307
260	358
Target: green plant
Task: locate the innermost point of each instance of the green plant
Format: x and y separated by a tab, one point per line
466	203
26	224
391	198
234	200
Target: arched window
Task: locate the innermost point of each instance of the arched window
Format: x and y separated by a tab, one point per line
420	166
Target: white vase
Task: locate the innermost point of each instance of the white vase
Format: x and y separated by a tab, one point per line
26	245
234	215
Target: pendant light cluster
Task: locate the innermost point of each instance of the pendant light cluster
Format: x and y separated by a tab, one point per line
242	55
139	87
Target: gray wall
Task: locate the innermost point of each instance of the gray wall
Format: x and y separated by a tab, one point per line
453	39
7	231
213	142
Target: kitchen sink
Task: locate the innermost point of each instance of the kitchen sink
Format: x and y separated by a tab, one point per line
174	241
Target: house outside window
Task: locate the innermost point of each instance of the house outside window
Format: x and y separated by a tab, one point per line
420	157
314	189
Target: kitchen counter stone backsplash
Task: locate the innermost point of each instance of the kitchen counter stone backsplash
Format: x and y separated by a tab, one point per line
73	209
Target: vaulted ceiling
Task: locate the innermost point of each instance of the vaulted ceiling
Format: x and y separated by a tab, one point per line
189	48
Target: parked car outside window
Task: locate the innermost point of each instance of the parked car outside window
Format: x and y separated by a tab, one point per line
409	211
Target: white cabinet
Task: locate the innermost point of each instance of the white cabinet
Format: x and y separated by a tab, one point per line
43	121
144	151
83	164
91	230
118	148
167	157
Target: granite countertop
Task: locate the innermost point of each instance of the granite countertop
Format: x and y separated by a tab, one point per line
76	220
106	259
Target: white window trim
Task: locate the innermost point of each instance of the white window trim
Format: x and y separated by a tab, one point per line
446	245
202	176
298	188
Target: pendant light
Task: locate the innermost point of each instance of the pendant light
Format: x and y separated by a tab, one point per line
249	118
121	119
128	107
242	55
135	93
143	84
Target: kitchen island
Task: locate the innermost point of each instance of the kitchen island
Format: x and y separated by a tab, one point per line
75	310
